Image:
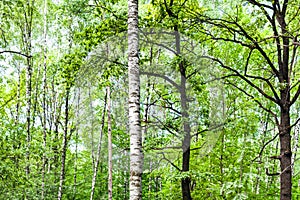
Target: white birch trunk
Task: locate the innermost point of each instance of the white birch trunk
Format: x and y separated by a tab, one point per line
136	154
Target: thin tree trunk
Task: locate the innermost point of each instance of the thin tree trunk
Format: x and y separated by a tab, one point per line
185	182
136	152
35	94
44	100
92	126
223	144
65	136
64	147
259	171
76	144
98	150
55	146
18	96
109	134
296	139
145	127
28	116
27	41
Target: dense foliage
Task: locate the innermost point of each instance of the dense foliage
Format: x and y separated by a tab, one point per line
210	100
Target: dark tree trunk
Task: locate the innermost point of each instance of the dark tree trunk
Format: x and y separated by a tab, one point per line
284	127
283	68
285	154
64	147
185	182
110	147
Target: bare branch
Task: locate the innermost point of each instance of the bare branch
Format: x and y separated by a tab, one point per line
262	52
196	148
9	100
271	174
166	100
175	166
288	166
259	77
284	7
16	52
295	96
294	55
263	8
219	78
260	4
209	129
160	45
295	15
295	123
224	24
276	157
163	77
257	101
275	100
166	127
264	146
163	148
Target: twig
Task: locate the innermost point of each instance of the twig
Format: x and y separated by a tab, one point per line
16	52
264	146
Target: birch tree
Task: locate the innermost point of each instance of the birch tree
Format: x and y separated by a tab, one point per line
136	154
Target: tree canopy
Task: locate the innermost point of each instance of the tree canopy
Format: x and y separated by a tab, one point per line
157	99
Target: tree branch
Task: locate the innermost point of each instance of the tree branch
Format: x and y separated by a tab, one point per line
277	101
166	127
16	52
262	7
295	123
260	4
284	8
271	174
257	101
264	146
295	96
9	100
164	157
208	129
260	78
196	148
262	52
163	77
241	31
163	148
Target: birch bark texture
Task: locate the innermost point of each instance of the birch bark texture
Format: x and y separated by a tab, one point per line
136	154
